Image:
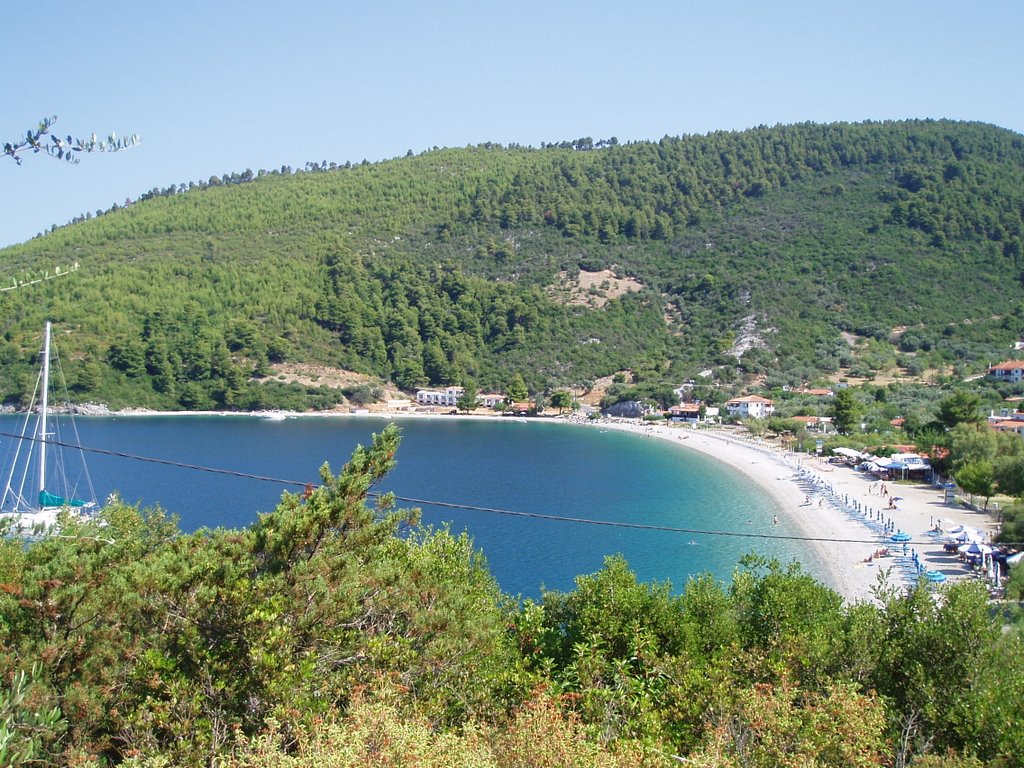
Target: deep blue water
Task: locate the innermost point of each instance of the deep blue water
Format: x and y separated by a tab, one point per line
541	467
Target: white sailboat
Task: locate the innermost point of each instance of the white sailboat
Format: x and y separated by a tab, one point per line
38	485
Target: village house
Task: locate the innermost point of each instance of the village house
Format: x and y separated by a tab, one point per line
1004	414
490	399
448	396
750	407
690	413
1007	420
1011	371
1008	425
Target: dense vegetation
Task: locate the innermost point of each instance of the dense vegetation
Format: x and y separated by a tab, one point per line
336	632
757	251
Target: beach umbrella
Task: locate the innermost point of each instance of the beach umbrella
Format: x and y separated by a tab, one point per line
968	535
900	536
1014	559
848	452
936	576
975	548
958	528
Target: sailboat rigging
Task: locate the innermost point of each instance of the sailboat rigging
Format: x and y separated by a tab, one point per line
35	504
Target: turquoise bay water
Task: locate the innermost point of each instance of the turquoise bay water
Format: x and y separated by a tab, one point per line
538	467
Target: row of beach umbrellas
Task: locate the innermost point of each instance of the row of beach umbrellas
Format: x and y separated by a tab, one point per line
971	544
902	537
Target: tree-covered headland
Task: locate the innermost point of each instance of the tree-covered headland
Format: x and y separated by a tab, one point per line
337	631
773	256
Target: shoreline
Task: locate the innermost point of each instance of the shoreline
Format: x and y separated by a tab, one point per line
839	511
839	544
843	520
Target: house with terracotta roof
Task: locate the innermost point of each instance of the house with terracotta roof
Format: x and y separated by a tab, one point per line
750	407
1008	425
690	413
684	412
1004	414
1011	371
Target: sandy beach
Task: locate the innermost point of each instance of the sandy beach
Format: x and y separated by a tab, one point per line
841	511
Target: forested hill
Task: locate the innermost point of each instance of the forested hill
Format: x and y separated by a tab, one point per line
775	254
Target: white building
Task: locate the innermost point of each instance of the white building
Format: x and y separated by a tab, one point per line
489	399
690	413
448	396
750	407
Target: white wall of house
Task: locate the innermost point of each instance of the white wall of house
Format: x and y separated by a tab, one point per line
449	396
750	408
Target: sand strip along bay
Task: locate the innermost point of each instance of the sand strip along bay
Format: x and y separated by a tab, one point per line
841	510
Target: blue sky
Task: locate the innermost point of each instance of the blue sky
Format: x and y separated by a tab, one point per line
216	86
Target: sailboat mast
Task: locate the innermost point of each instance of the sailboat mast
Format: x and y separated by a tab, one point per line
43	405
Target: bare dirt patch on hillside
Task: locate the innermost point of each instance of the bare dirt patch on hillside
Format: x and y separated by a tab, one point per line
599	388
337	378
593	289
319	376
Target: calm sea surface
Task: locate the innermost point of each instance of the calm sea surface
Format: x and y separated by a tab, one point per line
540	467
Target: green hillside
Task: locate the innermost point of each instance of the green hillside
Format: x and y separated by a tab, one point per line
774	255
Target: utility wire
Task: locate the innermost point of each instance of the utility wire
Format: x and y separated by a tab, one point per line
152	460
455	505
620	524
